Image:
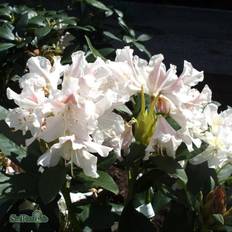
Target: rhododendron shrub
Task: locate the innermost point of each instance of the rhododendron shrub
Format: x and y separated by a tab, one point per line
125	140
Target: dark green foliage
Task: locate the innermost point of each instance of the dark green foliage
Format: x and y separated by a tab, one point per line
26	32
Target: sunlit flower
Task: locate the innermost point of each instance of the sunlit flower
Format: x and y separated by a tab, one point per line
218	137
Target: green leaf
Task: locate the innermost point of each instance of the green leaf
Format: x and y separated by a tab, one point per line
3	113
96	213
142	48
70	21
51	182
128	39
143	37
29	163
6	33
111	35
18	186
150	178
137	152
5	206
5	13
86	28
106	51
170	166
218	218
199	178
124	111
5	46
228	228
123	24
106	162
37	21
83	212
174	124
182	152
132	220
160	200
41	32
164	163
181	175
224	172
228	219
132	33
94	51
119	13
104	181
117	208
99	5
4	184
7	147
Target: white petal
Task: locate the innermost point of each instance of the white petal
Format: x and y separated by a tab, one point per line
87	162
50	158
100	149
191	76
54	128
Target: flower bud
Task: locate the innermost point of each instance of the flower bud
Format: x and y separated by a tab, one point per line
145	122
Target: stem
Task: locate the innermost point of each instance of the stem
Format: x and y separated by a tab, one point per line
130	186
75	224
132	174
148	196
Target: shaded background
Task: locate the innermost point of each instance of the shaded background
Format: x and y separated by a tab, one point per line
199	31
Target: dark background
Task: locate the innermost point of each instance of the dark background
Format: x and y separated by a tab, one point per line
216	4
219	4
199	31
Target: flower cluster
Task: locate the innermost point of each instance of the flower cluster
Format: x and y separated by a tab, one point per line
72	109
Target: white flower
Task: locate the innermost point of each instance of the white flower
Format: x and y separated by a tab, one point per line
42	75
76	151
76	113
41	81
165	138
218	137
171	95
28	116
110	131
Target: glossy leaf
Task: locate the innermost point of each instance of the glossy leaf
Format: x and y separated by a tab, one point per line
106	51
96	213
106	162
150	178
199	178
8	147
94	51
142	48
111	35
5	12
98	4
4	184
169	166
132	220
38	21
41	32
104	181
224	172
182	152
18	186
137	152
144	37
128	39
218	218
6	33
173	123
51	182
3	113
